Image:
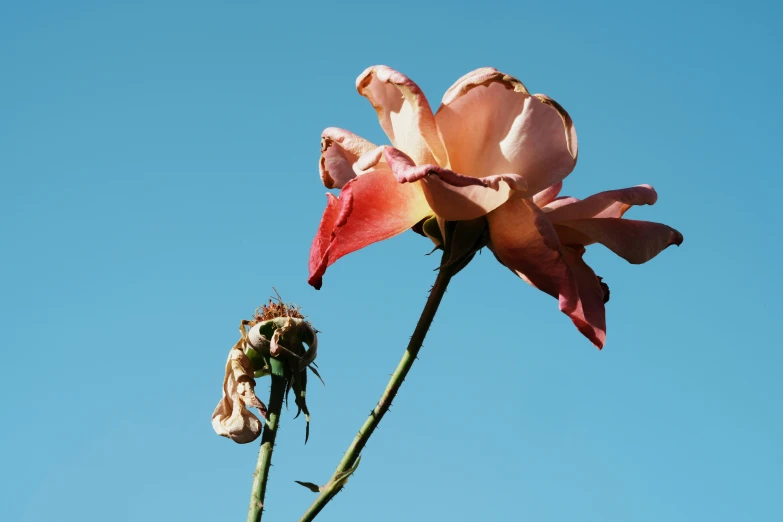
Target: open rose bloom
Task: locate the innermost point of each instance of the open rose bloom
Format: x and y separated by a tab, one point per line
493	151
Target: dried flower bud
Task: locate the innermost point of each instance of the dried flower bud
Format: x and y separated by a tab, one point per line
274	338
232	418
283	337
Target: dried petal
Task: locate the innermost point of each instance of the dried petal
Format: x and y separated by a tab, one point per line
232	418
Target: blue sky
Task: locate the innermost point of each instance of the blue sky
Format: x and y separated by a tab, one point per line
158	175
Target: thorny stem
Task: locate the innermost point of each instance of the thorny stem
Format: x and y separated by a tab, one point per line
261	474
349	459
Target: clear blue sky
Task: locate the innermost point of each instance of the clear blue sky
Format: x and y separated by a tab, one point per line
158	175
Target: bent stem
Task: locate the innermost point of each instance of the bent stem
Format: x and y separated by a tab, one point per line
261	474
348	463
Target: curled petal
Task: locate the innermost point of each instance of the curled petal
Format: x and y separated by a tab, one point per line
548	195
480	76
404	113
310	337
491	125
257	340
568	124
232	418
452	196
340	149
371	208
609	204
524	241
372	159
635	241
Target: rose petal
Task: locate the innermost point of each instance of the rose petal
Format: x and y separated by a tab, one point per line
635	241
371	208
609	204
340	149
235	421
548	195
404	113
491	125
372	159
453	196
589	315
231	417
524	241
559	202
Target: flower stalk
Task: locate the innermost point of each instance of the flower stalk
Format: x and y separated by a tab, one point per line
261	475
349	461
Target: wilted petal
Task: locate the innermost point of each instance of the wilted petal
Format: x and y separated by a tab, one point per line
452	196
589	314
526	242
236	422
404	113
635	241
609	204
275	347
232	418
371	208
340	149
491	125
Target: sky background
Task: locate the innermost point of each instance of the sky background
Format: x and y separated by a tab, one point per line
158	176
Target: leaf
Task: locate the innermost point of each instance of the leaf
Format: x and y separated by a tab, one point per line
315	488
300	390
287	391
316	373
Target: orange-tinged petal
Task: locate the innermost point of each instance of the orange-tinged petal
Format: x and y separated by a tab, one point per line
340	149
371	208
451	195
404	113
608	204
635	241
491	124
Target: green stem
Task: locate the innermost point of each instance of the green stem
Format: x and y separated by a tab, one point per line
261	475
335	484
